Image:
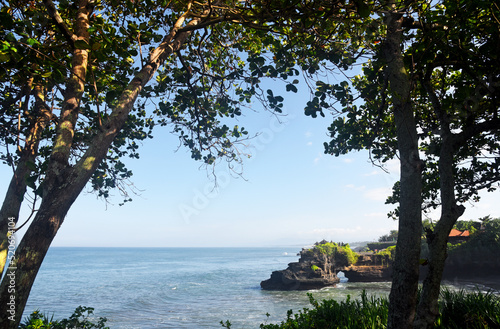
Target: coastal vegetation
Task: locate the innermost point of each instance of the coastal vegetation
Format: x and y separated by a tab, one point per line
342	253
81	318
389	252
458	309
484	243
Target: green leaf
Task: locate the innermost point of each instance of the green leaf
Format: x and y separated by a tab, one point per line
32	42
31	165
363	9
291	87
30	181
82	44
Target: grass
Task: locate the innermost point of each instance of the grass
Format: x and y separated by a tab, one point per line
465	309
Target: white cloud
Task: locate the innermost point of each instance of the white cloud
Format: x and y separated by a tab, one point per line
356	188
375	194
378	194
318	158
348	160
373	173
393	167
375	214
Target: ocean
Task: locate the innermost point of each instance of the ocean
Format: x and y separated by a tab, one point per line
175	287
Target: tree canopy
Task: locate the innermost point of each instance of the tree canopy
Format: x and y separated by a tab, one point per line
83	82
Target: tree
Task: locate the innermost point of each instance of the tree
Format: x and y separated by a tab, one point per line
392	236
420	96
385	131
76	92
331	42
431	88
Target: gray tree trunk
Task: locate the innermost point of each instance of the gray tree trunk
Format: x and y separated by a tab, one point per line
428	310
403	295
9	213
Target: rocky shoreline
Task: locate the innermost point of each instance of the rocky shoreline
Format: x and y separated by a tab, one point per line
317	269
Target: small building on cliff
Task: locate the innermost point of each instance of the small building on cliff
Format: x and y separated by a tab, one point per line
457	236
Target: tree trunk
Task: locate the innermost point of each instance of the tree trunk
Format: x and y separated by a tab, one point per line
403	295
64	183
9	213
22	270
428	307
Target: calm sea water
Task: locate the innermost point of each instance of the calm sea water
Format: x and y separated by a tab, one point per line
174	287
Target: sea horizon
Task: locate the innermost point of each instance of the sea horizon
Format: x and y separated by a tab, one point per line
174	287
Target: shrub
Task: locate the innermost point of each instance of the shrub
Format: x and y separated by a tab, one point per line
465	309
343	253
327	248
457	310
380	245
368	312
80	319
389	252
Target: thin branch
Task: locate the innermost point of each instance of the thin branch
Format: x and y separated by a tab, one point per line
99	121
140	48
33	211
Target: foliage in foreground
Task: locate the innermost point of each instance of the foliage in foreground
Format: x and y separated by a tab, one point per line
80	319
367	312
457	310
475	310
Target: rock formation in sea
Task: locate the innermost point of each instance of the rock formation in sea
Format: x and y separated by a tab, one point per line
313	270
318	268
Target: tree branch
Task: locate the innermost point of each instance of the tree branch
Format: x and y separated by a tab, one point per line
51	9
88	163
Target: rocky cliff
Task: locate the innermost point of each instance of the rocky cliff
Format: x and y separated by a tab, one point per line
314	270
318	267
369	267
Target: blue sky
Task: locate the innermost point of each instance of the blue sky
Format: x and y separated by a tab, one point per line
290	194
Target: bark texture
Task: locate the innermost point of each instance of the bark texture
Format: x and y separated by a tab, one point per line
9	213
428	310
403	295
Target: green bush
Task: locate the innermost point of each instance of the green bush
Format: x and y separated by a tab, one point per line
457	310
380	245
342	253
465	309
483	246
368	312
314	268
80	319
390	252
328	248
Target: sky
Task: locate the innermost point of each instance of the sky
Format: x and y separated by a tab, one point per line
290	193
